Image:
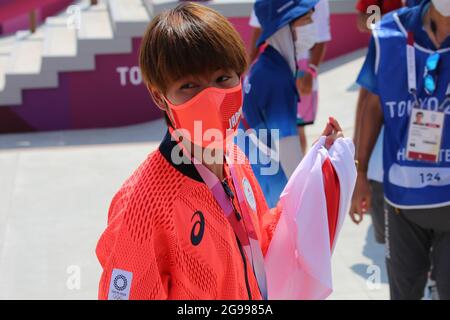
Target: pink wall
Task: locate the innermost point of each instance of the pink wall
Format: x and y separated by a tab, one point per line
20	22
345	36
16	17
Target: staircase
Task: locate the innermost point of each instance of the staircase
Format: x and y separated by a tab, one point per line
63	77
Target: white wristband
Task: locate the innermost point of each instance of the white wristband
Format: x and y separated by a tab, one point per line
314	67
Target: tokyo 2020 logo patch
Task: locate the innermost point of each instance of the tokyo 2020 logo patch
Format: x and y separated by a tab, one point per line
120	282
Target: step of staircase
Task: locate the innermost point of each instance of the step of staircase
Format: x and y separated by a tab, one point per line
60	45
96	35
24	70
21	64
95	23
59	39
6	44
3	62
21	61
129	17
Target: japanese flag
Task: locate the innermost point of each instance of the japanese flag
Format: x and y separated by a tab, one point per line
314	203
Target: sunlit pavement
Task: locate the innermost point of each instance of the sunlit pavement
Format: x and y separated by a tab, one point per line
55	190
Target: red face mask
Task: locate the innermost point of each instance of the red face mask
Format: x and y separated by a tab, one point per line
211	118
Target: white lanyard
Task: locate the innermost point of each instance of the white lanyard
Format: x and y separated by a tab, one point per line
411	65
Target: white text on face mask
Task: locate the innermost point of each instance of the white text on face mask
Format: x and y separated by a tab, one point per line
234	120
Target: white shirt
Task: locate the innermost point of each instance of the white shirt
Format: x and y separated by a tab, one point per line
254	22
375	171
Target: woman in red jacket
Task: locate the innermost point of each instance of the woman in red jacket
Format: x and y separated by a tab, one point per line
191	222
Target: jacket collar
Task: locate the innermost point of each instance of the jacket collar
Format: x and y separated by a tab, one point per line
186	167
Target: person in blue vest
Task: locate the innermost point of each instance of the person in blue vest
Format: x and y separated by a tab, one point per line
375	170
271	96
407	72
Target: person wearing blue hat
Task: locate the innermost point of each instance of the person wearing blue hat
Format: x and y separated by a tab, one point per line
271	96
407	77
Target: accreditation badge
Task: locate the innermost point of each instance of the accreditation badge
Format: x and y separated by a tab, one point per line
425	135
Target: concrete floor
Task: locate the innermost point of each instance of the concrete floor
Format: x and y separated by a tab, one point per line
55	190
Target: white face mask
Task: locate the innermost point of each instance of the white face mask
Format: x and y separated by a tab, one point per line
306	37
443	6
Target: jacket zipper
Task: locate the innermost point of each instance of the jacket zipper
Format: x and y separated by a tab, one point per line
247	284
230	195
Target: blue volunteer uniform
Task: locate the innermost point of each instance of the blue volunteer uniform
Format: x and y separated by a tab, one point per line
408	184
270	100
412	3
417	224
270	96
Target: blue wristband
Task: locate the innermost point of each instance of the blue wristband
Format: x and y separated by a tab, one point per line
300	74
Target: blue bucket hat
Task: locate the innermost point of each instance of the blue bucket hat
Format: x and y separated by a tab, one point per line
275	14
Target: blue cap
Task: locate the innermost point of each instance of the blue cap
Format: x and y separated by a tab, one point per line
275	14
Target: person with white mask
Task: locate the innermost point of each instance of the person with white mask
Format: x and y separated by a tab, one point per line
271	95
407	74
309	61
